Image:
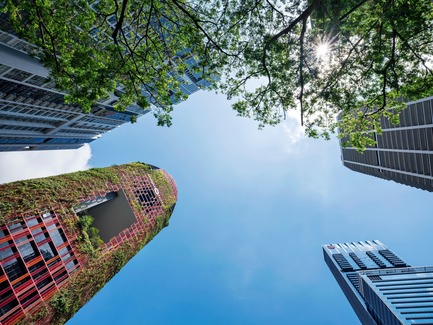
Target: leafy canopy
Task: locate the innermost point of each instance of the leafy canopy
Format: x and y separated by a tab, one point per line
266	51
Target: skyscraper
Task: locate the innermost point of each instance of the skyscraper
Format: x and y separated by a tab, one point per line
33	114
63	237
403	153
381	288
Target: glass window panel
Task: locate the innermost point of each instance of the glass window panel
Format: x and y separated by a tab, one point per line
58	237
71	264
36	266
14	268
22	281
47	251
40	236
44	282
3	233
6	252
55	261
57	278
22	238
6	308
33	221
67	256
15	227
28	251
29	297
17	74
64	250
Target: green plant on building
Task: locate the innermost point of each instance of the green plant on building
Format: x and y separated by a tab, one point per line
89	237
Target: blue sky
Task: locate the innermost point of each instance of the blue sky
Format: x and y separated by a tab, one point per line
254	208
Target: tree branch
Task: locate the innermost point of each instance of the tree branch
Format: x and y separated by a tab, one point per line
119	21
301	65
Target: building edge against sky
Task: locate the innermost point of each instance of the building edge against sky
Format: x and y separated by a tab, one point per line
33	114
381	288
54	257
403	153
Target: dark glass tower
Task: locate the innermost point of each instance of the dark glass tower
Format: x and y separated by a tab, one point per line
381	288
63	238
404	153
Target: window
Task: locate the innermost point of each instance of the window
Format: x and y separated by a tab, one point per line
71	264
14	268
43	283
17	74
58	236
28	251
37	80
17	226
47	251
36	266
6	252
8	306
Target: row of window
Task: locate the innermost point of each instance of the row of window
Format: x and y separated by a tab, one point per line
415	114
411	139
18	89
416	181
369	157
30	129
421	164
13	41
27	106
24	76
392	258
409	296
416	163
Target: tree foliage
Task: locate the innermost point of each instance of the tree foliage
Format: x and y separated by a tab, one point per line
93	47
266	51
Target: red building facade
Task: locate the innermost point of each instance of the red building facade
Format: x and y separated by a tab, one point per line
48	255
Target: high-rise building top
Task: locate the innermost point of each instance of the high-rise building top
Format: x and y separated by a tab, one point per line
63	237
33	114
381	287
403	153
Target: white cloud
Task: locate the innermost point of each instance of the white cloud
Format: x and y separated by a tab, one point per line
292	126
32	164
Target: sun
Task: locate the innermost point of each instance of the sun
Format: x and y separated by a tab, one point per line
322	50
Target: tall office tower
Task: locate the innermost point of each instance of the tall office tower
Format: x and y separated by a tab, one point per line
63	238
33	114
381	288
404	153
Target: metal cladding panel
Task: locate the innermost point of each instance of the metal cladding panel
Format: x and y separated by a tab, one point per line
399	296
404	152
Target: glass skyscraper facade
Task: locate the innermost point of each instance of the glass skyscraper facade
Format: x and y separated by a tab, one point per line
403	153
381	287
63	237
33	114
